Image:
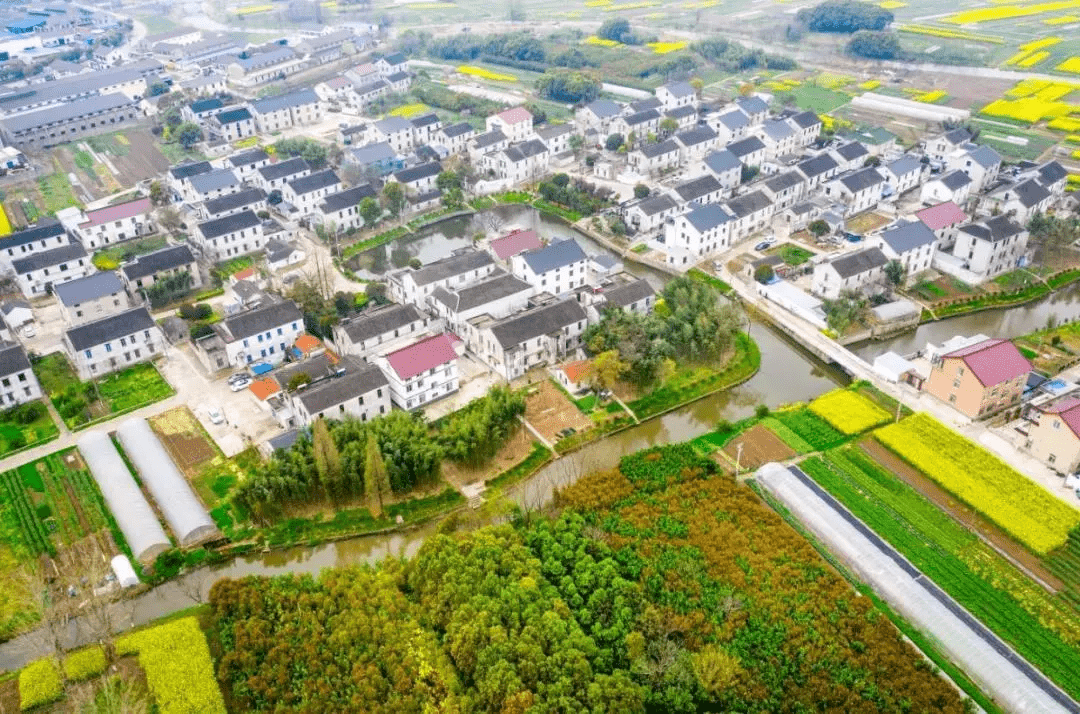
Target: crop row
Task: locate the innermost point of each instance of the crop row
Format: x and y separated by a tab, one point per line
927	538
33	530
1012	501
90	498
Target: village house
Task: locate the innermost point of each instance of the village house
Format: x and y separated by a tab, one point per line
556	137
212	184
701	231
419	179
18	383
726	167
597	116
556	268
248	199
105	345
515	124
307	192
858	271
850	156
463	267
498	296
940	146
979	380
455	138
354	389
807	126
653	159
629	296
784	189
148	268
539	336
944	220
483	144
386	325
518	241
301	107
395	131
685	117
110	224
275	176
818	169
422	372
91	298
750	212
259	335
640	124
695	143
648	215
38	272
751	151
991	247
730	126
860	190
343	208
954	187
676	94
1053	434
247	163
903	174
754	107
1020	200
912	244
703	189
779	137
981	164
223	238
424	128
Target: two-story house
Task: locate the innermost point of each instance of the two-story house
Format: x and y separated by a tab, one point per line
597	116
701	231
516	124
726	167
372	330
248	199
497	296
696	142
110	224
676	94
703	189
18	383
223	238
39	272
455	138
944	219
260	335
654	159
91	298
750	212
419	179
784	189
541	335
857	271
46	235
301	107
1053	434
275	176
354	389
114	342
980	163
307	192
343	208
648	215
912	244
148	268
991	247
750	151
463	267
860	190
954	186
903	175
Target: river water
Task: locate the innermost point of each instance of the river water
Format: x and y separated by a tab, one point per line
787	374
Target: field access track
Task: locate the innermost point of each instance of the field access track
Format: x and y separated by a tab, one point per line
990	663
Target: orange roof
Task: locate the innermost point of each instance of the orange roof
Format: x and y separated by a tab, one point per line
244	274
306	343
264	388
576	371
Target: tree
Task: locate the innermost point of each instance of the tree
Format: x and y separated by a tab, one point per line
571	86
874	45
394	198
314	152
172	117
158	88
641	191
188	134
577	141
613	142
844	311
764	274
298	380
327	460
370	211
846	16
747	173
376	292
607	369
158	195
699	86
376	477
668	127
618	29
895	271
169	219
447	180
818	227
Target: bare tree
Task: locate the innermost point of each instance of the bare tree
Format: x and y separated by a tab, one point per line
195	585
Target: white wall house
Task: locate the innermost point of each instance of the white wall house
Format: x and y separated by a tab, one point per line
980	163
18	383
701	231
676	94
649	214
954	186
372	330
991	247
751	212
496	297
726	167
903	174
343	208
1021	200
275	176
357	390
284	111
224	238
462	268
539	336
860	190
110	224
556	268
44	236
261	335
913	244
307	192
422	372
114	342
516	123
147	269
696	142
855	271
653	159
38	272
91	298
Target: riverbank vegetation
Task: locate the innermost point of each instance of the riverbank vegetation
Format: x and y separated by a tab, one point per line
662	586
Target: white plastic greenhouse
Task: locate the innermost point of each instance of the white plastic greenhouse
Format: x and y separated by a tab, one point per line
183	512
126	501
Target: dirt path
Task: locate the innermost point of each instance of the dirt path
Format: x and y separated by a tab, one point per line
966	515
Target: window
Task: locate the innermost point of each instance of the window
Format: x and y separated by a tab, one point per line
88	355
1051	458
22	377
1057	423
108	348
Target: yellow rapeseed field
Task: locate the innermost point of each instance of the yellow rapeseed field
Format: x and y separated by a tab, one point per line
848	411
485	74
1008	12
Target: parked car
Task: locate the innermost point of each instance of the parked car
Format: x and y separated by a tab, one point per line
240	384
216	417
239	377
764	245
29	331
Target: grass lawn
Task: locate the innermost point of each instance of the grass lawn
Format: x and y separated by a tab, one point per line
235	265
818	99
791	253
56	192
80	403
176	153
25	425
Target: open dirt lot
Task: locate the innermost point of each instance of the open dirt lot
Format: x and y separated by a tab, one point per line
184	439
759	446
550	411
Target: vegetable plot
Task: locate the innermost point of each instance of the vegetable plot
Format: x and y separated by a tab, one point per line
848	411
177	665
1023	509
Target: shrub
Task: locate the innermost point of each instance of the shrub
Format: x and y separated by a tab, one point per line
40	683
85	663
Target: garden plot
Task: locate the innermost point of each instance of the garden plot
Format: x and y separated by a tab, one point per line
25	425
80	403
759	446
49	507
185	439
549	411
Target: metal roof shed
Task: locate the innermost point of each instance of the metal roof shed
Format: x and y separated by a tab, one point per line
184	513
128	505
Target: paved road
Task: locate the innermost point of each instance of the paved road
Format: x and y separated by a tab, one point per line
989	662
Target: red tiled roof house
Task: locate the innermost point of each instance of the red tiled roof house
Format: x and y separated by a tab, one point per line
980	380
424	371
944	220
516	124
514	243
1054	435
